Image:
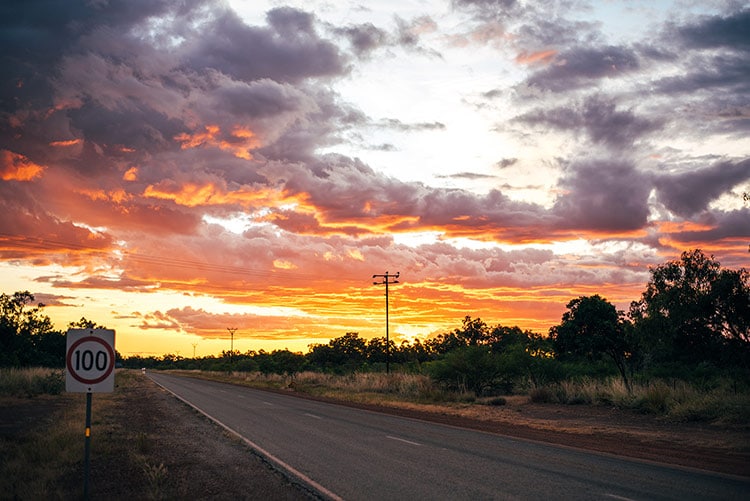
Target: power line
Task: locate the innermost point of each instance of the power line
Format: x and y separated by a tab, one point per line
387	280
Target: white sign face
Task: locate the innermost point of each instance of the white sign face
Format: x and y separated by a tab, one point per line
90	361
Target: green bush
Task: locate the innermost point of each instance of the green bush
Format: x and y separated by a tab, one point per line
472	368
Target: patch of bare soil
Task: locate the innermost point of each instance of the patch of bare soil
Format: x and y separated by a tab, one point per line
724	449
18	416
179	454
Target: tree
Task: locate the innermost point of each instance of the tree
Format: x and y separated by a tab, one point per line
693	310
472	367
21	328
84	323
473	332
341	354
592	327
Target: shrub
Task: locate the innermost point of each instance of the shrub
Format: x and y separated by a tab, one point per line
655	399
472	368
496	401
542	395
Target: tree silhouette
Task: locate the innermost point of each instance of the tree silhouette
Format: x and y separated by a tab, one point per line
592	327
693	310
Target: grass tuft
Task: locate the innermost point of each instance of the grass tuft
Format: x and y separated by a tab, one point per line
31	382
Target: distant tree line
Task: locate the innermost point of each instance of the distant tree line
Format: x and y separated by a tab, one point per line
692	322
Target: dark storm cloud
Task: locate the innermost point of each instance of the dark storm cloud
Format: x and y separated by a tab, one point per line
689	193
259	99
610	195
720	73
599	117
716	51
730	224
584	66
716	31
363	38
290	52
139	128
34	35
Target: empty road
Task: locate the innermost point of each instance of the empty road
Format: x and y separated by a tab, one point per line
354	454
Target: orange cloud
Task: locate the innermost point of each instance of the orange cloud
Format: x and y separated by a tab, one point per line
282	264
15	167
209	193
239	141
131	174
681	226
117	196
544	56
70	142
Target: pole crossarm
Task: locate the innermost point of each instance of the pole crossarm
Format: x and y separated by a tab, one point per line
387	279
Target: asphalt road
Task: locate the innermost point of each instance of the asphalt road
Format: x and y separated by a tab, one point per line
353	454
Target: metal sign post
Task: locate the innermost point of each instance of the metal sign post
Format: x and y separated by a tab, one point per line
90	368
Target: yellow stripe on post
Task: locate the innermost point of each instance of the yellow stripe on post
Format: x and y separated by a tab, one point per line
88	432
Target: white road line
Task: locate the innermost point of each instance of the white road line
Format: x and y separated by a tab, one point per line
615	496
402	440
312	415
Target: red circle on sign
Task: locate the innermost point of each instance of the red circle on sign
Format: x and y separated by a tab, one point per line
106	373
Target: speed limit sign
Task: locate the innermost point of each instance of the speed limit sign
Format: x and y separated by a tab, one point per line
90	361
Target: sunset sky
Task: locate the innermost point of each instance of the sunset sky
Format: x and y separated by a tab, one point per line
173	168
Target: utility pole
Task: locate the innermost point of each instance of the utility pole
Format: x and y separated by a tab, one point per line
387	280
194	345
231	330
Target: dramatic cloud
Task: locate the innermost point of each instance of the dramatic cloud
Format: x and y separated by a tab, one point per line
179	167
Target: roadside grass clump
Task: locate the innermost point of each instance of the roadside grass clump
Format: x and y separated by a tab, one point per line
673	400
31	382
45	460
376	386
156	480
494	401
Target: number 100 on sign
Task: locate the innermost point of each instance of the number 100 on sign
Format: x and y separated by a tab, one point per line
90	360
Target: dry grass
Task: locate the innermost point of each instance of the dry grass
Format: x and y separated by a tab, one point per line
144	445
677	401
44	461
367	387
30	382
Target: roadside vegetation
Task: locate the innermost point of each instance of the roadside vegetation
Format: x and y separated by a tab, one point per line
144	445
681	351
43	459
